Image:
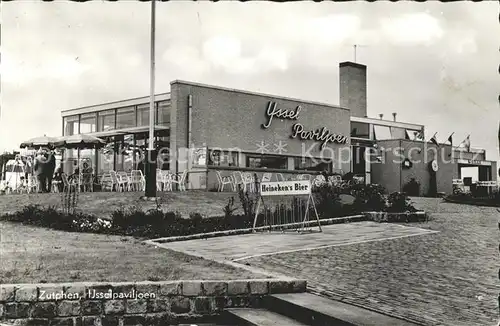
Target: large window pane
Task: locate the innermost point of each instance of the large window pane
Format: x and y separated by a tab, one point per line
143	115
106	120
88	123
125	118
312	164
398	133
267	161
70	125
360	130
163	113
220	158
382	132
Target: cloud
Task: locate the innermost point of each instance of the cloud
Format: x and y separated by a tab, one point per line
412	29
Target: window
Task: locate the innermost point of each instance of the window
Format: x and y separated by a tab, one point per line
398	133
88	123
311	164
143	115
106	120
360	130
125	118
267	161
70	125
382	132
163	113
221	158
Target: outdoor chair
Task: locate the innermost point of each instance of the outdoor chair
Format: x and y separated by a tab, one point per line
180	180
249	180
280	177
266	177
137	181
159	180
167	178
238	181
305	177
107	182
32	184
223	181
118	182
124	179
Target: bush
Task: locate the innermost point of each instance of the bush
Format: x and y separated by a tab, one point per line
399	203
369	197
412	188
327	200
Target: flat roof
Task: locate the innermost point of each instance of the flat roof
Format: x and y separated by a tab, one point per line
114	104
234	90
389	123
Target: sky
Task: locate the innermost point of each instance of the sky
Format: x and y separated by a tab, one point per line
433	63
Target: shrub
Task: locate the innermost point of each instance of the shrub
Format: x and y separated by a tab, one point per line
229	208
327	200
412	187
399	203
369	197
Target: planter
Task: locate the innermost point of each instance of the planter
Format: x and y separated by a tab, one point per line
406	217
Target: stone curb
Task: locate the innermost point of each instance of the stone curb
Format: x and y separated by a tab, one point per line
374	216
329	221
71	303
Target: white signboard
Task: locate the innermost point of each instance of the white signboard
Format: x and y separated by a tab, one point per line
476	162
301	187
487	183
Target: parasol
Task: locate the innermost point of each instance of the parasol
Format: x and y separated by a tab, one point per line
39	142
80	141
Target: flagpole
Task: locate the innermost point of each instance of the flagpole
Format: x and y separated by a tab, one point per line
150	191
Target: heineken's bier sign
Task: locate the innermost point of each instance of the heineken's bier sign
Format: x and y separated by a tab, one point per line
301	187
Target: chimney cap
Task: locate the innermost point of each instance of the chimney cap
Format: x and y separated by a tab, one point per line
352	64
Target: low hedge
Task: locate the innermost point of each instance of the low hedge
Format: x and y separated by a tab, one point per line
134	222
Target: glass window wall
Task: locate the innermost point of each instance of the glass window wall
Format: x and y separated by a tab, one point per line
221	158
106	120
163	113
143	115
267	161
360	130
382	132
125	118
71	125
88	123
312	164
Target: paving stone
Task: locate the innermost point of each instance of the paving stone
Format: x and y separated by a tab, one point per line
444	278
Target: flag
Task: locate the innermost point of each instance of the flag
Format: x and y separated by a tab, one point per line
450	139
466	143
419	135
434	140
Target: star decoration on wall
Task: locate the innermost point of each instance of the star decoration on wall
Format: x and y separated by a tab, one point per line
280	148
262	147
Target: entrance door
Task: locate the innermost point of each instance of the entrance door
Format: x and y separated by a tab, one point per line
359	160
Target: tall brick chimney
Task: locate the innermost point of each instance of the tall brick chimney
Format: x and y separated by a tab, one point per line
353	88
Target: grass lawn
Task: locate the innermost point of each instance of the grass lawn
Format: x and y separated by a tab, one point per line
103	204
37	255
